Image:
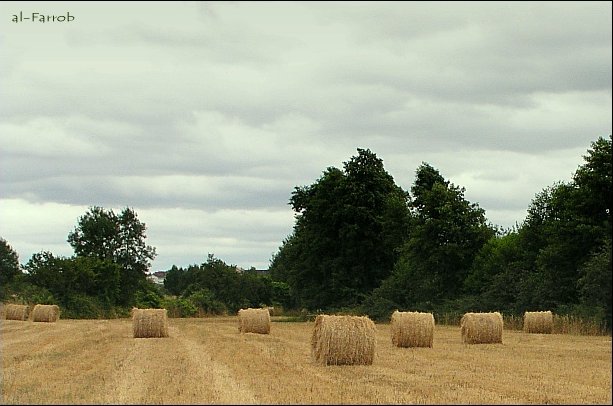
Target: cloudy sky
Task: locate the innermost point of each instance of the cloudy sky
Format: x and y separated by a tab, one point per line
203	116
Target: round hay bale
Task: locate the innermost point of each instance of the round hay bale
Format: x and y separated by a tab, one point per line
149	323
538	322
481	328
254	321
46	313
16	312
412	329
343	340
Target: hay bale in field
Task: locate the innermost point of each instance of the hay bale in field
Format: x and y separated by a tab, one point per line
254	321
16	312
149	323
412	329
46	313
538	322
343	340
481	328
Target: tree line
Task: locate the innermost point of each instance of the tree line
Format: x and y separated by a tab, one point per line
360	243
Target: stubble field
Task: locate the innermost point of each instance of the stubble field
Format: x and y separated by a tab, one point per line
207	361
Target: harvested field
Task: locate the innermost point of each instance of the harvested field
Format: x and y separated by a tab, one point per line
206	361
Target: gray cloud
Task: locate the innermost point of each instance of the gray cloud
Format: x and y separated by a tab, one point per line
214	111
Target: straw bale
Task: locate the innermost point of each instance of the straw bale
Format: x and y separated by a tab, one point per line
16	312
481	328
149	323
412	329
254	321
46	313
538	322
343	340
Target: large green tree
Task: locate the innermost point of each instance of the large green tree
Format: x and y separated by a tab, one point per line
445	234
9	262
565	225
102	234
349	224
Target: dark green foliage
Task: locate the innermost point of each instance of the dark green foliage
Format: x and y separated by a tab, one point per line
179	307
21	290
215	287
9	265
148	296
120	239
594	283
174	282
204	300
566	223
65	277
378	307
348	226
80	306
446	233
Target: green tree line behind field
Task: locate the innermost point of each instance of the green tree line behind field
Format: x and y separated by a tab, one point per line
360	244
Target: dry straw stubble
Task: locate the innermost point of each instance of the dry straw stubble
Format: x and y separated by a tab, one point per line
254	321
412	329
538	322
16	312
46	313
149	323
343	340
481	328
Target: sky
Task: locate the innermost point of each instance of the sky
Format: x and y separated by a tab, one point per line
204	116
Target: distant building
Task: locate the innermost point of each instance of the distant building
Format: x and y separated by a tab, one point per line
260	272
157	277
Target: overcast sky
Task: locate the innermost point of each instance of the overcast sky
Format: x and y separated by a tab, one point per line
203	116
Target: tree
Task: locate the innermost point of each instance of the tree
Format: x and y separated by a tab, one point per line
96	235
102	234
348	226
174	281
76	277
9	263
445	234
595	282
565	223
594	179
493	279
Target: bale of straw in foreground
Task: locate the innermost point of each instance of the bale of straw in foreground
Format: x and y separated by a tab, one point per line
343	340
46	313
481	328
16	312
538	322
254	321
149	323
412	329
